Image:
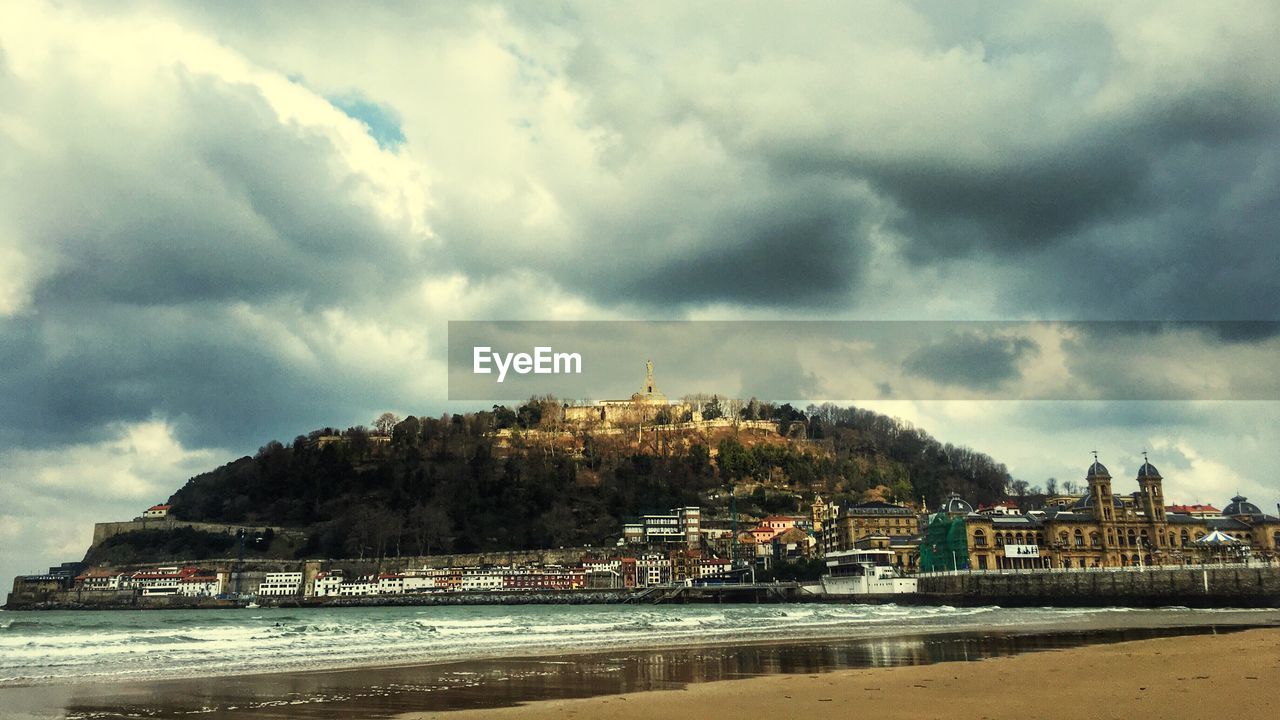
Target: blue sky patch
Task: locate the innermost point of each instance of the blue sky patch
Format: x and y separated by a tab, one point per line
382	121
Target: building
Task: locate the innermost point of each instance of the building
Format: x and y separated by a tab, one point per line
681	526
846	525
205	584
1100	530
646	407
156	512
281	584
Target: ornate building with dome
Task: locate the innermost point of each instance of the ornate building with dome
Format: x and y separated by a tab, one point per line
1101	529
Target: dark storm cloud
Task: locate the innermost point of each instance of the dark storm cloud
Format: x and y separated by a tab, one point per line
234	205
186	267
971	360
196	366
802	253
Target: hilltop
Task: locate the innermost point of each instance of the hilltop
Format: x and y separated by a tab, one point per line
504	479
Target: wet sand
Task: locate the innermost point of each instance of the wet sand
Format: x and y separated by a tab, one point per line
588	684
1234	675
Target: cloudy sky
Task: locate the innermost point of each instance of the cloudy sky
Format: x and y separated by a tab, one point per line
226	223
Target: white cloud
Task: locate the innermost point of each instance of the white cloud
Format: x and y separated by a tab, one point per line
52	497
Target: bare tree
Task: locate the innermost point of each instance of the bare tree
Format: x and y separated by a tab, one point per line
385	423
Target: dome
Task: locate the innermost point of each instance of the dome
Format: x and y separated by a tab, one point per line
1241	506
1148	471
955	505
1097	469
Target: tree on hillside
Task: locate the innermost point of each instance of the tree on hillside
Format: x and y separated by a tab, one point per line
712	410
1019	488
385	423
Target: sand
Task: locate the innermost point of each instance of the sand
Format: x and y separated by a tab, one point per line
1233	676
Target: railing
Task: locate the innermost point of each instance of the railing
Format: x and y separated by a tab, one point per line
1122	569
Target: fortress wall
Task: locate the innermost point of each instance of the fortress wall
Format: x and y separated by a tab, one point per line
102	531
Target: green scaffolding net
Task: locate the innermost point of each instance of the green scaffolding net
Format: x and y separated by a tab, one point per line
946	545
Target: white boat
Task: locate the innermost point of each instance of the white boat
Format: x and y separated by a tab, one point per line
252	605
864	572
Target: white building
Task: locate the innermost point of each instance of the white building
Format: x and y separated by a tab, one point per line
202	585
326	583
652	570
281	583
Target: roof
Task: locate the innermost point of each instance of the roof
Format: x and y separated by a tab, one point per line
1087	502
877	507
159	507
1148	471
1228	524
1191	509
1240	505
1217	538
1018	520
1097	469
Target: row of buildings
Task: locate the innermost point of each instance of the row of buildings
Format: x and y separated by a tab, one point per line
642	571
1098	529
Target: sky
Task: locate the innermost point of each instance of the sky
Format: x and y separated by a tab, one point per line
227	223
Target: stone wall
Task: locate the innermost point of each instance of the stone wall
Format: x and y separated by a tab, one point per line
1152	587
102	531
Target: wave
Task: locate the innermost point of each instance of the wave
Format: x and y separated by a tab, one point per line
102	646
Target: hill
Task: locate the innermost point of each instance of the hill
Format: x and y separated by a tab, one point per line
508	479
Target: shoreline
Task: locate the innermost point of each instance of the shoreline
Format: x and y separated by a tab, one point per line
514	679
1149	679
1226	620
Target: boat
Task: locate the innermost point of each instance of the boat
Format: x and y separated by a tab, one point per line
864	572
252	605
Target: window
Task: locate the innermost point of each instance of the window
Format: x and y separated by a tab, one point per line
1276	539
980	540
1095	539
1079	538
1186	538
999	539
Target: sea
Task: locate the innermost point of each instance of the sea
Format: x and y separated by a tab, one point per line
86	647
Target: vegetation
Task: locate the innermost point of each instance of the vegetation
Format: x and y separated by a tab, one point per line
429	485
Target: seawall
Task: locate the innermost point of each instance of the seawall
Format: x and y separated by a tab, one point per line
1150	587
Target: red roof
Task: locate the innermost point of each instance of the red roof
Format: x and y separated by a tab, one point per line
1192	509
159	507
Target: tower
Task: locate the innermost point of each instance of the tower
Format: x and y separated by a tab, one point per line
1099	482
1151	486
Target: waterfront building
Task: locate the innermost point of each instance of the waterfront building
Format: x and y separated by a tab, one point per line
652	570
845	525
680	526
281	584
206	584
1099	530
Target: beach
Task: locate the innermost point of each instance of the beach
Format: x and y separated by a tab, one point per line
1187	677
549	662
